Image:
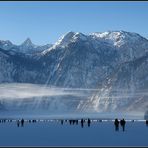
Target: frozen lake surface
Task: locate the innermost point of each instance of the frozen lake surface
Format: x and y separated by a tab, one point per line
53	133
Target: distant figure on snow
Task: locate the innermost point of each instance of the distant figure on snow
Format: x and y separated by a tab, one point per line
100	120
82	123
122	123
34	120
76	122
146	122
18	123
88	122
116	123
22	122
62	122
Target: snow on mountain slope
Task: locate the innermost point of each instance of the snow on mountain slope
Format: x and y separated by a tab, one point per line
79	60
69	38
118	38
77	63
113	62
66	39
130	45
96	53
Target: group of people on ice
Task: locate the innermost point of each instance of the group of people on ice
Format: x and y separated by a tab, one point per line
75	121
121	122
20	122
117	122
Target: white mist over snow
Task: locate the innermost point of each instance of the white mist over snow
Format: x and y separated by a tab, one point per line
17	98
27	90
24	90
29	97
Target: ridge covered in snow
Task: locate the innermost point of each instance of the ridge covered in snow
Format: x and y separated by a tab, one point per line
67	39
115	38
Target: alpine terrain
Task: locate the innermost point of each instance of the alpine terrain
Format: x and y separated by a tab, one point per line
111	66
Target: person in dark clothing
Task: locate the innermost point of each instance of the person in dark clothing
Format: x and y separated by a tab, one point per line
146	122
62	122
18	123
116	123
122	123
22	122
82	123
89	122
76	122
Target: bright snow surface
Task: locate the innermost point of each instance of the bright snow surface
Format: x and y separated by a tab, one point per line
52	133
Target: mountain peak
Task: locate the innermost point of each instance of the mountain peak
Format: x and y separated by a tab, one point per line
70	37
72	34
28	42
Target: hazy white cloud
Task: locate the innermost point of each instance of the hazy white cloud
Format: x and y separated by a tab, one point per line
15	90
24	90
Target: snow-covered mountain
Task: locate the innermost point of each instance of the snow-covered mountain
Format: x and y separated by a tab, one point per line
113	62
130	45
26	47
86	60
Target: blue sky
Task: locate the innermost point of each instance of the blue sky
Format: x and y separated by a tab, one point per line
45	22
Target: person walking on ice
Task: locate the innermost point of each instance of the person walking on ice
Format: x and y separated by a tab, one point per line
122	123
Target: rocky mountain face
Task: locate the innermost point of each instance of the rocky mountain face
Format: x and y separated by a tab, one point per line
17	67
114	62
124	90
